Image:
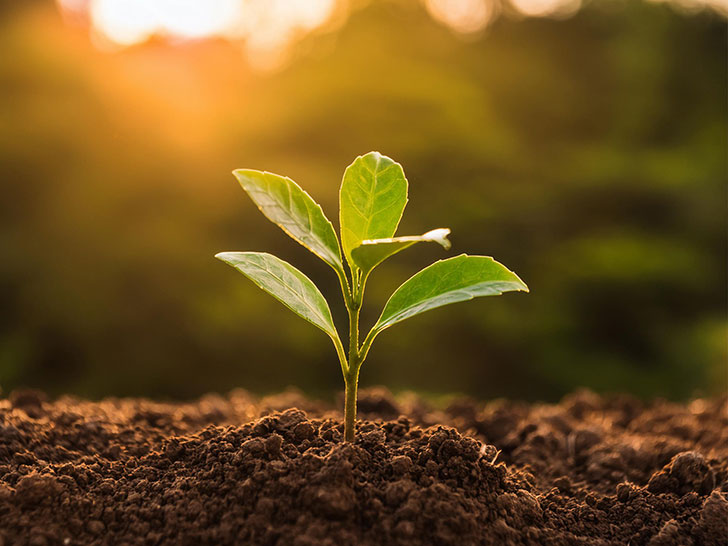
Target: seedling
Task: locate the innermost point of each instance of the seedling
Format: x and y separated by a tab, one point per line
371	202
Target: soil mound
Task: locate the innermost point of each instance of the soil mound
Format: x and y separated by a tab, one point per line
243	470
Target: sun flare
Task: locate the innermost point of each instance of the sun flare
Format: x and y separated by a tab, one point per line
267	27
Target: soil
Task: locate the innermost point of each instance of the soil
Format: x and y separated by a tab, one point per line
238	469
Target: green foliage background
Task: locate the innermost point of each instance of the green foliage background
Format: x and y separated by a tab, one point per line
588	155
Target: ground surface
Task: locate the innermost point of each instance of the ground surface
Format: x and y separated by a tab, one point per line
243	470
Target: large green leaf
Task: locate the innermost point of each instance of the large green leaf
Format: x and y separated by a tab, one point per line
372	198
285	283
371	253
448	281
284	203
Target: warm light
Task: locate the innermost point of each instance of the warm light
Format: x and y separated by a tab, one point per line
464	16
123	22
126	22
197	19
268	27
73	6
721	6
542	8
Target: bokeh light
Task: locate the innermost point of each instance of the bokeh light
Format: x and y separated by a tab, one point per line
267	27
126	22
464	16
544	8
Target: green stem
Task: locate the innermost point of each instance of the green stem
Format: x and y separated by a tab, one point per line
366	344
352	381
341	353
353	336
345	288
346	292
352	377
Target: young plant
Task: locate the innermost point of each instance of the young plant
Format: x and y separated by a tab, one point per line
372	199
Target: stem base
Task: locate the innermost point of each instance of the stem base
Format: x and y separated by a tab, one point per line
352	381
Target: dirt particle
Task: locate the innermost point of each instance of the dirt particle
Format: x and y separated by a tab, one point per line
27	398
38	540
334	502
714	518
395	493
273	445
686	472
624	492
95	527
563	483
291	417
401	464
303	431
373	437
261	428
584	439
669	535
253	447
404	529
6	492
380	402
521	509
34	489
580	403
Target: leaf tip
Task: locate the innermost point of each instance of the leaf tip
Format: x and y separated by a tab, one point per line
439	236
223	256
523	286
381	160
246	174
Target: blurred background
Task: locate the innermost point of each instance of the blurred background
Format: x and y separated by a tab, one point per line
581	144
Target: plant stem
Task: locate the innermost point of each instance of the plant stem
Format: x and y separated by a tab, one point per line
341	353
345	289
353	336
352	376
366	344
352	381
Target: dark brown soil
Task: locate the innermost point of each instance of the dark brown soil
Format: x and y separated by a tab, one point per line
243	470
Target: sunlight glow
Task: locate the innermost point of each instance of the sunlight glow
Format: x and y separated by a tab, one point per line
463	16
544	8
270	27
122	22
267	27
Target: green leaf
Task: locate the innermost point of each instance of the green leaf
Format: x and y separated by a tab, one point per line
372	199
448	281
284	203
285	283
371	253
